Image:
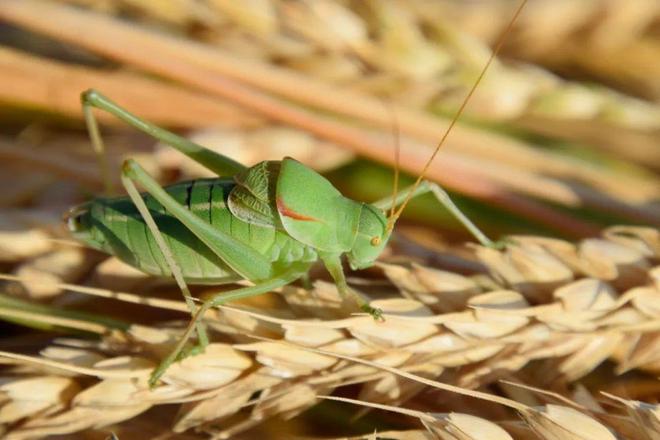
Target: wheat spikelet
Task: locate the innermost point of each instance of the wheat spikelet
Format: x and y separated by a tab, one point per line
559	302
607	38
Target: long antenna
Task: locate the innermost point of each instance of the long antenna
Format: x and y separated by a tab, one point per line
396	129
396	133
458	114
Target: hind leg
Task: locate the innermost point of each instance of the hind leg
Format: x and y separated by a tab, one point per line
219	164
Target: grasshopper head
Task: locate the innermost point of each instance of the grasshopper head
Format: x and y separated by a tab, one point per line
372	236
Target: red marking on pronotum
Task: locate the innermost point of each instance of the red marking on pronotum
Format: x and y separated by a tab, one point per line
288	212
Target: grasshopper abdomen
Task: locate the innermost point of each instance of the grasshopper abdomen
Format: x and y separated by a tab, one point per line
115	226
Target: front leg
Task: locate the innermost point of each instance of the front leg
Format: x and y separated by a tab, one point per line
332	262
178	353
442	196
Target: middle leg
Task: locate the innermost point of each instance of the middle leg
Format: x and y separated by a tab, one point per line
214	301
332	262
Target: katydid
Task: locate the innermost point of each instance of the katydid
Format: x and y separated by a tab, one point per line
268	223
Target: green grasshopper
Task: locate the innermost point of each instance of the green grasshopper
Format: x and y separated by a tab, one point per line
268	223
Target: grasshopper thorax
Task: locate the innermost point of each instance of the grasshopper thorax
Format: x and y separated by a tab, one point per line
371	238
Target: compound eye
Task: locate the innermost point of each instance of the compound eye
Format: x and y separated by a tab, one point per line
73	222
375	241
74	218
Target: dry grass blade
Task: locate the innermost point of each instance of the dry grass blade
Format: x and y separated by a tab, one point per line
640	147
104	293
50	162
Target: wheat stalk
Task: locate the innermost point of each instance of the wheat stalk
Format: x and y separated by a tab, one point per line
55	87
422	69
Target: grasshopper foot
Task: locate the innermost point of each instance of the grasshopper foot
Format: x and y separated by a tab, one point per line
156	375
191	350
375	313
500	244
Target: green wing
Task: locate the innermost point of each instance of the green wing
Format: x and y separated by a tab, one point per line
253	198
312	210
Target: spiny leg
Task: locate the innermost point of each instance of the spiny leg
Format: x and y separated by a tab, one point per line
448	203
219	164
214	301
167	253
332	262
91	99
243	259
442	196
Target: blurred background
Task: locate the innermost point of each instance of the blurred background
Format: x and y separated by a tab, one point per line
561	138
